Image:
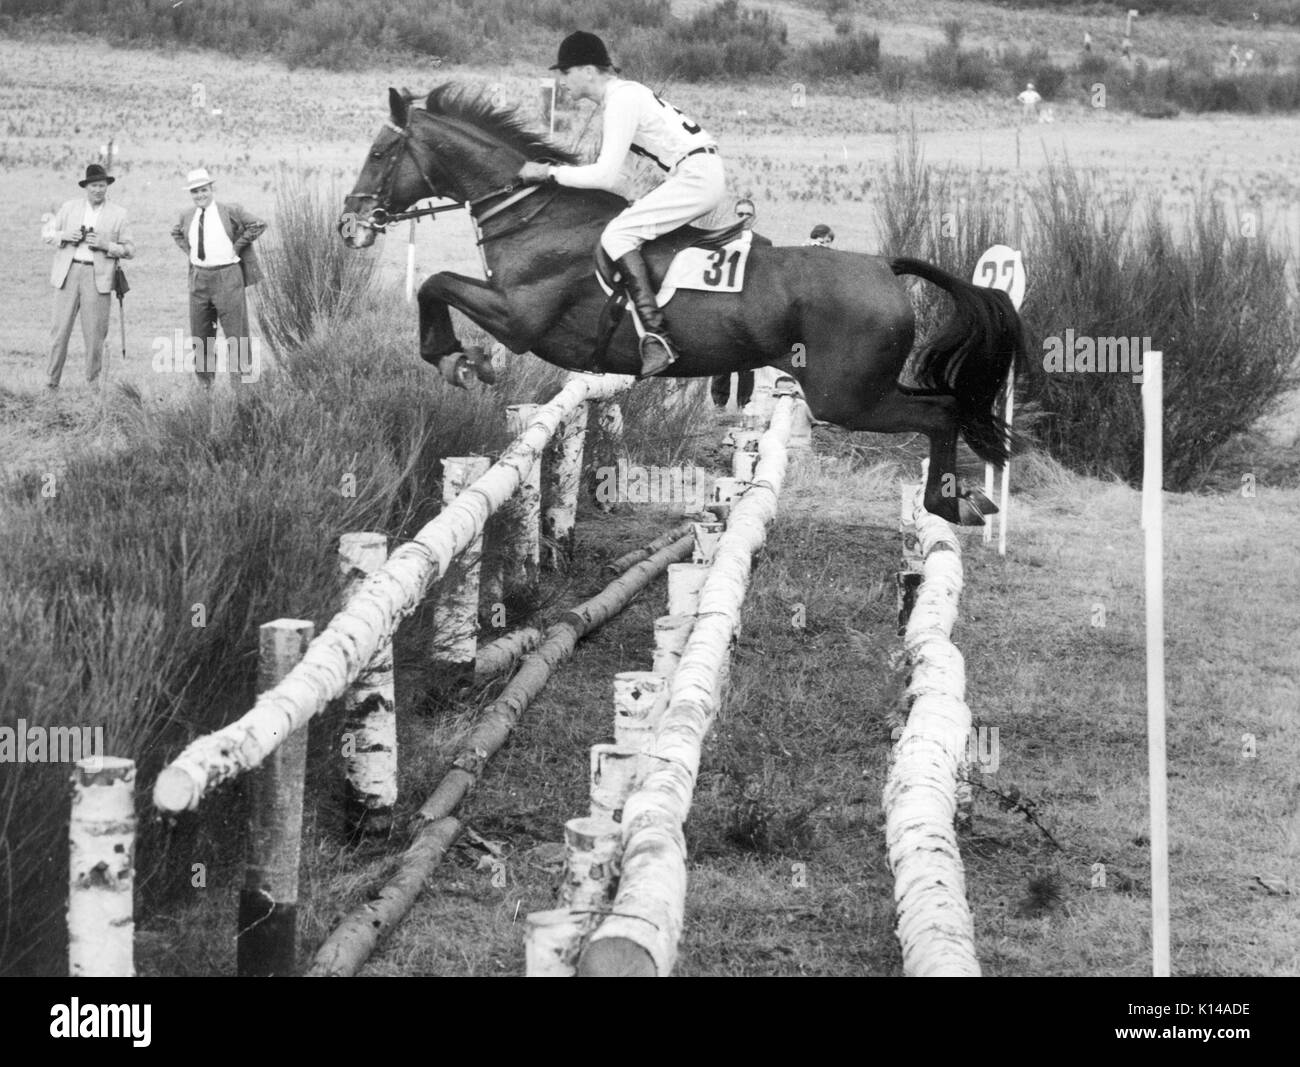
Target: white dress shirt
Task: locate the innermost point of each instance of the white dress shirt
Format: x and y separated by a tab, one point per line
216	245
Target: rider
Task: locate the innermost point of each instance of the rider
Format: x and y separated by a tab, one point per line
637	120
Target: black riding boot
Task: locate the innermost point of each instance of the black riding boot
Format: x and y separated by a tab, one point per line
657	351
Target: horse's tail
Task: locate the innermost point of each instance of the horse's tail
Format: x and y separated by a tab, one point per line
971	355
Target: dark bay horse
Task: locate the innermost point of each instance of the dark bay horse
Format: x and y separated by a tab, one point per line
841	323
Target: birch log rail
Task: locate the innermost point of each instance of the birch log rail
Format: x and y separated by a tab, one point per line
640	935
343	651
921	791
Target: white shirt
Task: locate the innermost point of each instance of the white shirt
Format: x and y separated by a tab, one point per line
635	121
216	245
1029	98
89	219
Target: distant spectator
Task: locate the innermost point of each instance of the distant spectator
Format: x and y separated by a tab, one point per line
720	386
1029	101
90	235
1234	57
1087	42
1248	58
821	235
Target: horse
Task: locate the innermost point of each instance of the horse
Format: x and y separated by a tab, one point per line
840	323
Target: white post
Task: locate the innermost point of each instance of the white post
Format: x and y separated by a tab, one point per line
370	715
745	458
592	849
561	475
101	869
671	634
552	943
707	535
454	640
521	518
548	103
613	777
1153	527
410	263
640	700
685	580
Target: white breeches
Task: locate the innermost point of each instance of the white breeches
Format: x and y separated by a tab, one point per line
693	189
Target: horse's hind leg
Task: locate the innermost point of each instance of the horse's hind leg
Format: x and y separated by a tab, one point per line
935	415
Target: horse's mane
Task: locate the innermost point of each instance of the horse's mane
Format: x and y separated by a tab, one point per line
454	102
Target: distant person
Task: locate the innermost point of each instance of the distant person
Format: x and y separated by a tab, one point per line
1234	57
1029	101
1087	42
720	387
821	235
218	239
90	236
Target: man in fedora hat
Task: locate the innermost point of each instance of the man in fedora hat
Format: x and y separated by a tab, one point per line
636	120
218	239
90	235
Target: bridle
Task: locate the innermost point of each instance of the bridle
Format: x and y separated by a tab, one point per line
380	217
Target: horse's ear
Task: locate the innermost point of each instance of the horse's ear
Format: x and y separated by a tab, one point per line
398	107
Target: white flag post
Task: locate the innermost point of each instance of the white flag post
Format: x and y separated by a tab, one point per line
1153	531
1002	267
410	263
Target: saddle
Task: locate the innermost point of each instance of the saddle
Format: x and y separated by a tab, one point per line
658	255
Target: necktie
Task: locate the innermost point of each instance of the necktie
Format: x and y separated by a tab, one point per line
202	212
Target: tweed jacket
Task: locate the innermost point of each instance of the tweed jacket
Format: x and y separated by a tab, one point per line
241	227
112	226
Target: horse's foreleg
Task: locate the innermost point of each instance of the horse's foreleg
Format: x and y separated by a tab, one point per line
481	304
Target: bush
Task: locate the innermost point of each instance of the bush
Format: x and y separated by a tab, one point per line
951	68
857	53
1033	66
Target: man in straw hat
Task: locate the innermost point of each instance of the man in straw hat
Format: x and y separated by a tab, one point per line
636	120
90	235
218	239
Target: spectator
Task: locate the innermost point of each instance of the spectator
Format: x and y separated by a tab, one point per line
1029	101
1087	42
219	244
90	236
821	235
720	387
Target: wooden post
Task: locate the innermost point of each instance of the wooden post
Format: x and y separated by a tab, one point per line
101	869
685	580
455	616
521	519
613	777
745	458
707	535
370	711
671	634
268	904
640	700
561	476
592	847
552	943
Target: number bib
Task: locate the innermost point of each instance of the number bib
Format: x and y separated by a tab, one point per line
719	270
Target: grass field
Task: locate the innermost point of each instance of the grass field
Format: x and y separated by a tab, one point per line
793	772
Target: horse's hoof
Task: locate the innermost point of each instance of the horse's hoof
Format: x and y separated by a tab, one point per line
978	497
455	369
481	361
968	514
